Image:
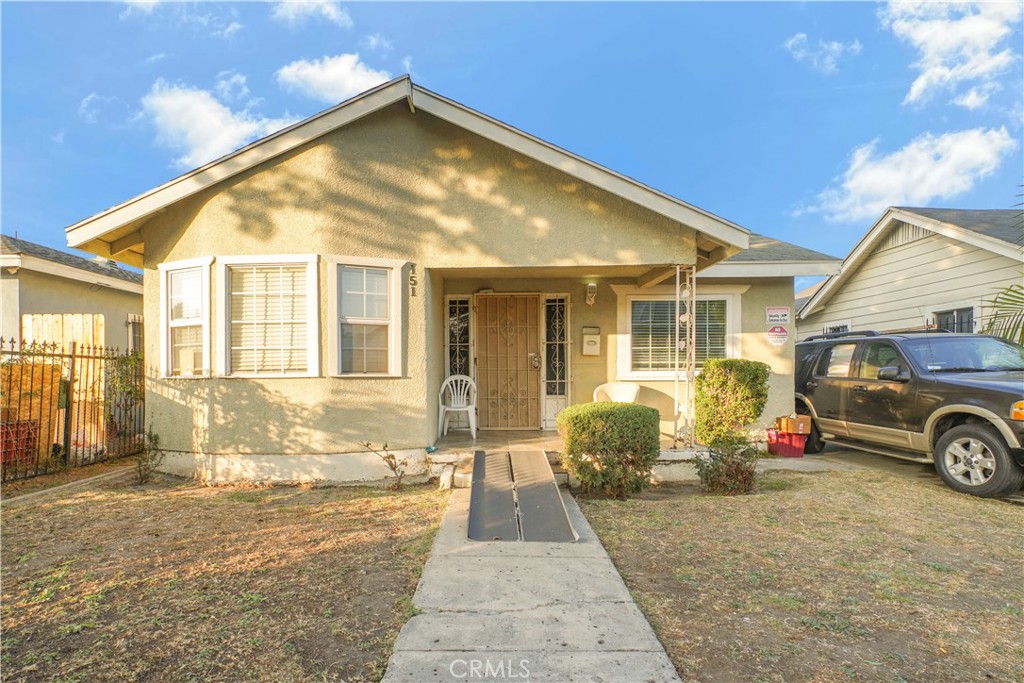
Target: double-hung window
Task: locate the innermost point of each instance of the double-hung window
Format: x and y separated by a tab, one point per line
366	306
653	334
271	316
185	318
650	339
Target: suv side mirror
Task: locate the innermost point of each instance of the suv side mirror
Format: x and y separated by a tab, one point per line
893	373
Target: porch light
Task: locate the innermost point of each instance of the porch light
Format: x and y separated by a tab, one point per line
591	293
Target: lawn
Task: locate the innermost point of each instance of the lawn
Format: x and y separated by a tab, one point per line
178	582
838	576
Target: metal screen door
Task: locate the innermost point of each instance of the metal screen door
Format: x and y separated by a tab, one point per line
508	361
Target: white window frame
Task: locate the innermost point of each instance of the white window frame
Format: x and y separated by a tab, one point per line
627	294
203	264
396	307
312	310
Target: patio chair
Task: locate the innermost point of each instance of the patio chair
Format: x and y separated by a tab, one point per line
619	392
458	394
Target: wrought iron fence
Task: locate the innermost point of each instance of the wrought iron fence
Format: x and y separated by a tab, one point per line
67	407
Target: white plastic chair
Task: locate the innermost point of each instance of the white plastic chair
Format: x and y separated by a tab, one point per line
460	392
619	392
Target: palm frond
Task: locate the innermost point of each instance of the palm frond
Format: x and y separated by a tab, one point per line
1007	317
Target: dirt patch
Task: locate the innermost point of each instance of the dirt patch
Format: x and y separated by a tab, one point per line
13	489
837	576
176	582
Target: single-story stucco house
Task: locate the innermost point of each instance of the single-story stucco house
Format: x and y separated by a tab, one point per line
310	292
920	267
52	296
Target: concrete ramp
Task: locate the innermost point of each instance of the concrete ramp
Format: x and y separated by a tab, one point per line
515	498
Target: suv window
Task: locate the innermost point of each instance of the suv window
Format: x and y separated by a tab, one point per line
878	355
835	361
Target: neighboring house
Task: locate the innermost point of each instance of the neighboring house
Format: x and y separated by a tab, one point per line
920	268
311	291
38	282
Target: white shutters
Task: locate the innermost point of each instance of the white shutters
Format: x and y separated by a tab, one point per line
652	332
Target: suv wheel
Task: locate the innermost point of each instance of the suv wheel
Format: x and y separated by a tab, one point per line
973	458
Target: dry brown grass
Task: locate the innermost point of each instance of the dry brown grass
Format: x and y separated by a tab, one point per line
839	576
177	582
19	487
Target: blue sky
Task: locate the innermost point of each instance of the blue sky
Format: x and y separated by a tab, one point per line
801	121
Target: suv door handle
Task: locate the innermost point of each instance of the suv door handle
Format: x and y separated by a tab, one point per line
811	385
860	388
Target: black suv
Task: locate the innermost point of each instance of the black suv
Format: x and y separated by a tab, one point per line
955	400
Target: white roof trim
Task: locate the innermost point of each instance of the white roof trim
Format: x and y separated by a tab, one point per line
40	265
99	225
864	248
771	269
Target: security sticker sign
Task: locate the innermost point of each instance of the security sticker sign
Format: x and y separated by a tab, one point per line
776	315
777	335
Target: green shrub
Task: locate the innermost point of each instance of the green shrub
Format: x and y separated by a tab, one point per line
610	447
731	393
728	469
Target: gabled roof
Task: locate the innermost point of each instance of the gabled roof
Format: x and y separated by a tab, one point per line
768	257
114	232
1001	224
18	253
996	230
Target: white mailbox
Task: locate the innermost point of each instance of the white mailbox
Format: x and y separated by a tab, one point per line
591	341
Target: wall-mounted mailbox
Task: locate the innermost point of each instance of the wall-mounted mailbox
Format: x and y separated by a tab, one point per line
591	341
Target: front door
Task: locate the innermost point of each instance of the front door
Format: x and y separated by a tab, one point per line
508	361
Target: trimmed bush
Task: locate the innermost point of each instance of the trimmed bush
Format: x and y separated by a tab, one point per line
728	469
610	447
731	393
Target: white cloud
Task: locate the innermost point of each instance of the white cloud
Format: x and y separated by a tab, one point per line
331	79
93	105
294	12
376	41
958	45
228	31
58	137
139	7
407	64
824	56
231	85
155	57
193	122
930	167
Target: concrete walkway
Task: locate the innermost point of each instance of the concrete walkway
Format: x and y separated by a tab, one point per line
519	611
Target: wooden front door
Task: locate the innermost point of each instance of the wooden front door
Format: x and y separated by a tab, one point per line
508	361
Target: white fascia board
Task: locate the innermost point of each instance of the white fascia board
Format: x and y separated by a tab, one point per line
95	227
10	261
60	270
772	269
594	174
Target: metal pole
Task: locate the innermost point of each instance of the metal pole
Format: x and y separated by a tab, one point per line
675	384
69	406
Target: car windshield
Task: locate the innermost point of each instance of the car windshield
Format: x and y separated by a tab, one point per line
965	354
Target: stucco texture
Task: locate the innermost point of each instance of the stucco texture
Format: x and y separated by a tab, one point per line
399	186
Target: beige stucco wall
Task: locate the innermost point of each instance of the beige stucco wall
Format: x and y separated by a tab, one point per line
45	293
10	316
903	286
392	185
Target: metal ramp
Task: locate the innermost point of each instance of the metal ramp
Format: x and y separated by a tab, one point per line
514	497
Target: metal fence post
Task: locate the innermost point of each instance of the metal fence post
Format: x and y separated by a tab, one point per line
69	405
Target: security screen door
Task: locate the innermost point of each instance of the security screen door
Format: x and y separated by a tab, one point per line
508	360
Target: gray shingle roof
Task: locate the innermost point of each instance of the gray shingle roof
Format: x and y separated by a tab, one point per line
767	249
1002	224
13	245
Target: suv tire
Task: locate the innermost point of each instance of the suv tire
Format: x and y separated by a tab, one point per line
974	459
814	444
